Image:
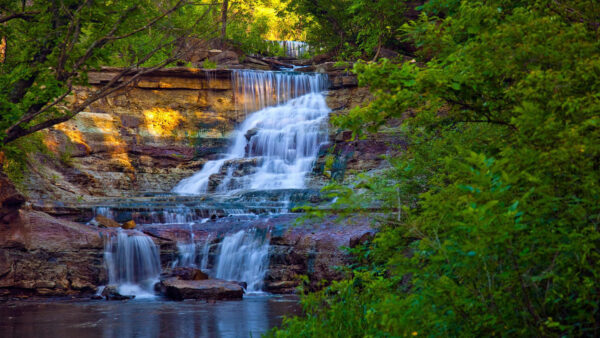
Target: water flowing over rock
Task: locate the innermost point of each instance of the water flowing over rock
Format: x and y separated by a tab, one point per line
133	263
255	90
244	256
294	49
221	223
286	138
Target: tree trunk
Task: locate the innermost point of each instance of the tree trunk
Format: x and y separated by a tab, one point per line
224	22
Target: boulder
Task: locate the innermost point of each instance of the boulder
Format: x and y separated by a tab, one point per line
111	292
128	225
188	273
227	57
105	222
209	289
251	133
44	256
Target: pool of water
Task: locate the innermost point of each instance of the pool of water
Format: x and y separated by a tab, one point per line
250	317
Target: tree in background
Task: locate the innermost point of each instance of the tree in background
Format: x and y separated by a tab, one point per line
254	25
493	209
352	28
51	45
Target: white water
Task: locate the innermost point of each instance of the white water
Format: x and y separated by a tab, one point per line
133	263
188	253
244	257
284	140
295	49
255	89
205	252
274	148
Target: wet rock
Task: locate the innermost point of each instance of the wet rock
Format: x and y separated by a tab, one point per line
242	166
242	284
105	222
214	181
210	289
312	250
251	133
42	255
129	225
111	292
188	273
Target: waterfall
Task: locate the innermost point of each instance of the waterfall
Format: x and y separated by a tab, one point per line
256	89
132	262
243	257
294	49
187	251
205	252
275	147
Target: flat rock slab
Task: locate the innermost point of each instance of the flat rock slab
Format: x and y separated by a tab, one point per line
218	289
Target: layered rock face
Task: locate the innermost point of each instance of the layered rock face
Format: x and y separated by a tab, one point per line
41	255
147	137
315	252
143	140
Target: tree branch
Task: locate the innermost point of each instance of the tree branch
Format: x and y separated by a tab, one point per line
133	72
22	15
488	117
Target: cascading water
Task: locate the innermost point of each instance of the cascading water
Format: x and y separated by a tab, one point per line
132	262
294	49
254	89
275	147
187	252
243	256
205	252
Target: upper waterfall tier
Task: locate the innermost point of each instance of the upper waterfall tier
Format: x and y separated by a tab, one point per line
254	89
273	149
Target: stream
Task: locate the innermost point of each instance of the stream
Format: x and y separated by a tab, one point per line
231	201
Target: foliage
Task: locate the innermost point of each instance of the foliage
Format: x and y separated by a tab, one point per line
51	45
15	163
353	28
207	64
497	197
256	26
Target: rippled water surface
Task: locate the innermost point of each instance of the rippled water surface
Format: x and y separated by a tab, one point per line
145	318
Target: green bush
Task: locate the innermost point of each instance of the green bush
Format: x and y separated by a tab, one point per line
15	164
493	211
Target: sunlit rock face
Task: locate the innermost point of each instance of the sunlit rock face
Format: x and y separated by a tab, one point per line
146	137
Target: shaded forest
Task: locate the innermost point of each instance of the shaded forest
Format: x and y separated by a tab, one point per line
488	216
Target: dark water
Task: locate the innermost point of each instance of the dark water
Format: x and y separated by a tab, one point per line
145	318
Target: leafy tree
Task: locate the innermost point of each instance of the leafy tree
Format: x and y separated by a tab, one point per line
51	45
497	233
356	28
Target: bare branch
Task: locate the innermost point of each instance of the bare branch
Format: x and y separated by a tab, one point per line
124	78
33	113
22	15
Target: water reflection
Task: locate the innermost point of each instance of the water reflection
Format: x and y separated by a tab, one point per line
250	317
